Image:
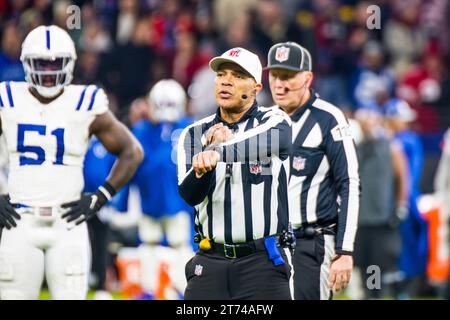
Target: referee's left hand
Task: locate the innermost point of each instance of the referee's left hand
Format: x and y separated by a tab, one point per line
340	272
204	162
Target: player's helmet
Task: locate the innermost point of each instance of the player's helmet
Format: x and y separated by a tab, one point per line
48	57
167	100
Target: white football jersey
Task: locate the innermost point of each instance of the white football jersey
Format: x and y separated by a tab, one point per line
47	142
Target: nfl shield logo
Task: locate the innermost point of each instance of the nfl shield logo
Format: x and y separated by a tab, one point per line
299	163
255	167
282	54
198	270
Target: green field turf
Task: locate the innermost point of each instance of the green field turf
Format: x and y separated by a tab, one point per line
45	295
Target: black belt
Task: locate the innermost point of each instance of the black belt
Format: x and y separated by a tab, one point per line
311	231
238	250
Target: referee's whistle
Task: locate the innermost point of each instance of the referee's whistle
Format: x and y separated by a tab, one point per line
205	244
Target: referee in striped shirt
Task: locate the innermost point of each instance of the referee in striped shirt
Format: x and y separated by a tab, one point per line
324	181
233	167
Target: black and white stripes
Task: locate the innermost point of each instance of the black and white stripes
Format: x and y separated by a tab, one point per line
245	197
324	183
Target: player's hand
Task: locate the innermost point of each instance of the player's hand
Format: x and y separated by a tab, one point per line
400	215
204	162
218	133
85	208
340	272
7	213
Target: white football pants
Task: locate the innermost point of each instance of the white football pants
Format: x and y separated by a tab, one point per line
177	229
39	246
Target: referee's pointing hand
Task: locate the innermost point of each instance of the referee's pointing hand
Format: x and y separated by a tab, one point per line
204	162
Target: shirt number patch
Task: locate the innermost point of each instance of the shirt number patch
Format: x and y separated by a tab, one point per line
340	133
39	152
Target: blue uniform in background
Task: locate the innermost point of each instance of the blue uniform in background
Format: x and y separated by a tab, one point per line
97	166
156	178
414	230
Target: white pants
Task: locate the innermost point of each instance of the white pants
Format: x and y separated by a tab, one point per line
38	247
177	229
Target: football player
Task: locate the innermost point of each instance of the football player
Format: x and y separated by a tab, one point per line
165	214
47	123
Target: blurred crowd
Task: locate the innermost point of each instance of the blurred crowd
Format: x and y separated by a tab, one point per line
391	80
128	45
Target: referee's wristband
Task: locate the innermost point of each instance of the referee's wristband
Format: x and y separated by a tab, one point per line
107	190
343	252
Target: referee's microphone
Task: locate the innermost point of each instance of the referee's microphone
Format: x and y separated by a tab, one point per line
244	96
286	89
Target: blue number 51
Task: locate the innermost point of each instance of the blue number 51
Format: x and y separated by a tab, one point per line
40	153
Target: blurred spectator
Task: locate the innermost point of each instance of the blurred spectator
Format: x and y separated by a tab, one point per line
188	59
126	70
226	12
95	38
414	253
204	25
61	14
86	68
238	34
371	76
127	20
16	8
269	26
10	65
359	34
423	87
201	92
377	241
434	18
165	21
139	111
333	62
404	38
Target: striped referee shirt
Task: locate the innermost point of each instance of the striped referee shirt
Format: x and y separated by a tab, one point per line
324	184
245	197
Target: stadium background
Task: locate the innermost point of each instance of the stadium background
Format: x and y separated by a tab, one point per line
126	46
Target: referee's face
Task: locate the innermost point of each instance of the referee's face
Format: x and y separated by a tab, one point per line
289	88
234	88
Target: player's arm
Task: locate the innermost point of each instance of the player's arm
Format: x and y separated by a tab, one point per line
118	140
7	213
400	170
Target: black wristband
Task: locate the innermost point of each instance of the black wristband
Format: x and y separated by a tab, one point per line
343	252
108	190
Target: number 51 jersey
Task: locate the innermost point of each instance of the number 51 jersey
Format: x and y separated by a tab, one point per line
47	142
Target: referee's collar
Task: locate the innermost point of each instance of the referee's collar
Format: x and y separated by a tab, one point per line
250	113
301	110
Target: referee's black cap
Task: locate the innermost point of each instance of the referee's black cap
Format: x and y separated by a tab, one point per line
289	55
